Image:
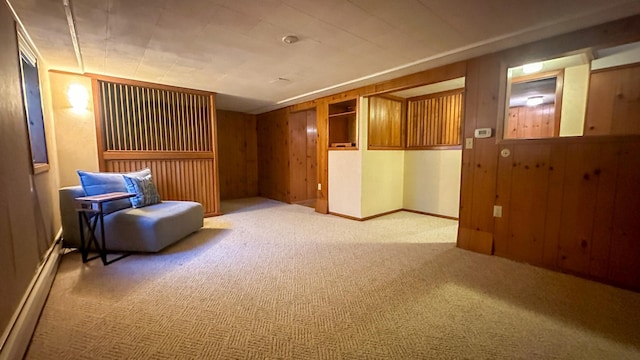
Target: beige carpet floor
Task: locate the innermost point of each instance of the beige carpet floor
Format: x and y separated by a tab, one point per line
275	281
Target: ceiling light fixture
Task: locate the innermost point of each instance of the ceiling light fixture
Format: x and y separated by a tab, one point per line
290	39
532	68
535	100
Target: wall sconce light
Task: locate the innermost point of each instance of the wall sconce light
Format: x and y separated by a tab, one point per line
532	68
535	100
78	97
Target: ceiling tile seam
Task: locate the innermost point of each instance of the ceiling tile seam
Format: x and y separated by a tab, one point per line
109	6
472	46
436	14
164	8
72	32
330	24
396	27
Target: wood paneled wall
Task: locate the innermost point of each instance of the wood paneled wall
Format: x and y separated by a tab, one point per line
303	155
530	122
238	149
177	179
479	164
569	206
386	125
613	104
273	155
434	120
171	130
287	155
566	201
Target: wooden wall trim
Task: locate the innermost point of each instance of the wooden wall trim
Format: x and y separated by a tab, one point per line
214	138
573	140
97	108
307	105
133	155
146	84
442	73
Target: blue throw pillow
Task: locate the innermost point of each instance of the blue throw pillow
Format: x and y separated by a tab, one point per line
96	183
146	192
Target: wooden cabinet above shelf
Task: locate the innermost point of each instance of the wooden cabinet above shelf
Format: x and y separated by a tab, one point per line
343	125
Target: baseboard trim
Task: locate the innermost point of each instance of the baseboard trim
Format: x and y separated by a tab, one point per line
391	212
431	214
364	218
17	335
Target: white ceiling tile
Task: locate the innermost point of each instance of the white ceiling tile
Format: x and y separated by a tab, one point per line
234	47
232	20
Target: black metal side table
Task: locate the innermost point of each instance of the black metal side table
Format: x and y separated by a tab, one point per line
90	213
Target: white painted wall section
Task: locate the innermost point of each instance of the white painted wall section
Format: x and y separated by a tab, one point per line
382	181
345	182
574	100
432	181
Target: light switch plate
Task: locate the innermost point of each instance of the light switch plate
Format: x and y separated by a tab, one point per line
468	143
497	211
319	186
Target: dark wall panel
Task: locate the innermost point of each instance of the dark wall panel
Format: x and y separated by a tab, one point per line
19	253
238	154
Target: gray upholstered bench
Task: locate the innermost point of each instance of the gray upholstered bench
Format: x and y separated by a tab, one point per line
146	229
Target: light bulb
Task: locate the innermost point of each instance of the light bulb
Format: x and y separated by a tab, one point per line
535	100
78	97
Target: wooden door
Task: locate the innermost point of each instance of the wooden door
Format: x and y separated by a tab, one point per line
312	158
302	156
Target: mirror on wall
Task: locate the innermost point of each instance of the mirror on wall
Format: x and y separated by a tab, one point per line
591	92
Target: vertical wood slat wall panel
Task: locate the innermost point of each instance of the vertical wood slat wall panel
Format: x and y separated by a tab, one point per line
179	179
136	120
385	122
434	121
127	129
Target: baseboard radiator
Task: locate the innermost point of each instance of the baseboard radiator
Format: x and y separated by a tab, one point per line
16	337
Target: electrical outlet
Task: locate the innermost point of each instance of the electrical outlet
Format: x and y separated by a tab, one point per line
497	211
319	186
468	143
